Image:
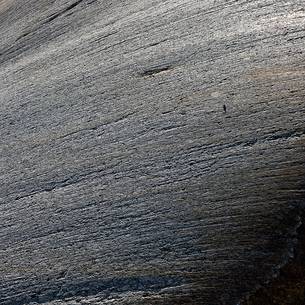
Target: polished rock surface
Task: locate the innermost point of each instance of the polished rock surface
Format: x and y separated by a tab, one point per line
151	152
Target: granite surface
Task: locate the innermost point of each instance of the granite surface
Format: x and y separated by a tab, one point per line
151	151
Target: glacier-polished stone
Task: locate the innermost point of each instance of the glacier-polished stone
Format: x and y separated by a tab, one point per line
151	151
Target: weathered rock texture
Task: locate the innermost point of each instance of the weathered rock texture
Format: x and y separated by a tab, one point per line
152	151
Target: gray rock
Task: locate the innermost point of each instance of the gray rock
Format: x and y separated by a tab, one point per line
152	152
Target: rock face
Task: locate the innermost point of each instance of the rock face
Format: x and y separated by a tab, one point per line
151	151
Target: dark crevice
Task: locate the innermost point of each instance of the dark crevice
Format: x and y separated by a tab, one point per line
22	36
53	185
70	7
71	180
156	70
153	44
287	135
157	43
296	38
101	38
96	127
171	127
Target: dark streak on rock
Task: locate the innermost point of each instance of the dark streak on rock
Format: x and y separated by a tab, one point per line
156	70
67	287
68	8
